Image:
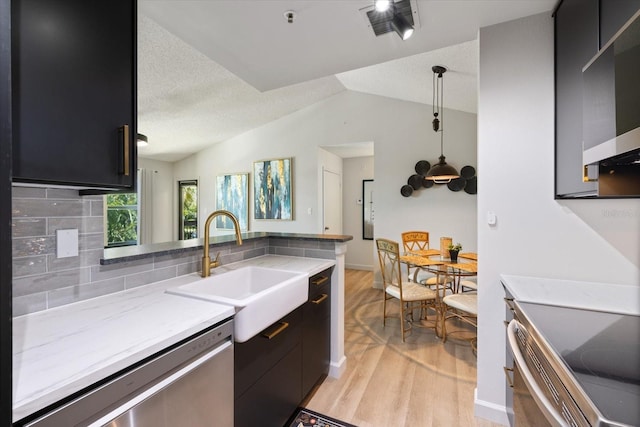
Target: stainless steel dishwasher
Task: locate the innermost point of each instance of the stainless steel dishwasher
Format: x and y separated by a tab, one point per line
190	385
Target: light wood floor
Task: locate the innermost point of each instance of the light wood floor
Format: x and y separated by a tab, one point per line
420	383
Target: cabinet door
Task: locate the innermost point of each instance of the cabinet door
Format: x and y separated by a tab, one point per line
74	92
316	332
316	341
273	399
613	15
576	42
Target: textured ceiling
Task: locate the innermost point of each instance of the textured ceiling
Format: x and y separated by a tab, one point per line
213	69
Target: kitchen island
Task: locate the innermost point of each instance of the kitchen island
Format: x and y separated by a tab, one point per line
61	351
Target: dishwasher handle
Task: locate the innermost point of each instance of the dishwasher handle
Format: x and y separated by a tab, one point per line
160	385
536	392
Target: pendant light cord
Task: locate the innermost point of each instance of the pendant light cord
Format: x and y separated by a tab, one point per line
437	103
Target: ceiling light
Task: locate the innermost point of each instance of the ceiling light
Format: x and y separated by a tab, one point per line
382	5
440	173
401	26
143	141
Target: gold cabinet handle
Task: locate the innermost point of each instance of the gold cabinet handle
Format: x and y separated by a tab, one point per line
126	160
508	371
320	299
271	335
320	280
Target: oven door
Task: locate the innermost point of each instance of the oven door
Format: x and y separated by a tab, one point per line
525	409
532	388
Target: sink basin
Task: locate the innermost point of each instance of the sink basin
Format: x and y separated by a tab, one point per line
260	295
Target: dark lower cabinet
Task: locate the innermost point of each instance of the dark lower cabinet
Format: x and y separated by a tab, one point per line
316	332
268	374
74	92
275	370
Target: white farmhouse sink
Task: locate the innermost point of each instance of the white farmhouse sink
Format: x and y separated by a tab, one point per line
260	295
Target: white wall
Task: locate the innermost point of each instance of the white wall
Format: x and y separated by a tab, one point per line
360	254
164	206
402	135
535	235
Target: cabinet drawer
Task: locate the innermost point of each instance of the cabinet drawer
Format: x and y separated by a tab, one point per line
256	356
320	283
274	397
317	307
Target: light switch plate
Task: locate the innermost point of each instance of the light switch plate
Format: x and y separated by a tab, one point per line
491	218
67	243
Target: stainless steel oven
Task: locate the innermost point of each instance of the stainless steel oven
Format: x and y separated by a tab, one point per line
574	367
188	385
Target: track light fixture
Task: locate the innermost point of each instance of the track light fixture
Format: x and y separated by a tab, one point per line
401	26
382	5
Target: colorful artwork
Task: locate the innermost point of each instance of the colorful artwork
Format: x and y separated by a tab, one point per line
272	197
232	194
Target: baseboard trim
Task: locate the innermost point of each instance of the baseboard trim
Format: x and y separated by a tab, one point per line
358	267
336	369
490	411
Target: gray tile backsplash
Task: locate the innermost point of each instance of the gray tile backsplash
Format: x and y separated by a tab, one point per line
43	281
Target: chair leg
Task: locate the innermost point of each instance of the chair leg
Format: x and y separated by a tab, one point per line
384	309
403	319
444	326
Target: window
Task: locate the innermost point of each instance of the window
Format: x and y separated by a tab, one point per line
122	219
188	210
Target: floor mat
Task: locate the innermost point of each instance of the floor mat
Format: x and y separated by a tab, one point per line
305	418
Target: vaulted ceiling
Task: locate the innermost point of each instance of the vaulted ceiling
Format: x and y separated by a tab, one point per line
209	70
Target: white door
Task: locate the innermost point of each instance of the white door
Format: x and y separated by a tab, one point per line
331	202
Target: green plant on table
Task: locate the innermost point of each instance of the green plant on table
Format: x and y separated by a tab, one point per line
456	247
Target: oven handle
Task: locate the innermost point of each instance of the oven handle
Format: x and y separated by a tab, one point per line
543	403
162	384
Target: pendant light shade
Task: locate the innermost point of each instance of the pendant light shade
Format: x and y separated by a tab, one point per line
142	140
441	172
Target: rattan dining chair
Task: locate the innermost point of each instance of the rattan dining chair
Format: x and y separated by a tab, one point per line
412	243
412	296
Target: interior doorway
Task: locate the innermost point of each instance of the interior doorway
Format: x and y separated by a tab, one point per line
331	202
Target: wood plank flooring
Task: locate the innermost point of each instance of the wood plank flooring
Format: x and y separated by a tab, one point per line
422	382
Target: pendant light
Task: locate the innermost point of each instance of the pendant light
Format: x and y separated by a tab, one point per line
142	140
441	172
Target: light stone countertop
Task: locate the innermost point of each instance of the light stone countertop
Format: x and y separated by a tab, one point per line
617	298
60	351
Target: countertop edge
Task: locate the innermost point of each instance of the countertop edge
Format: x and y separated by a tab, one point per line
132	253
610	297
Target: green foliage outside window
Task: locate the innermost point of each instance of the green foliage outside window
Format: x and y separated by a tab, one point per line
189	211
122	219
189	203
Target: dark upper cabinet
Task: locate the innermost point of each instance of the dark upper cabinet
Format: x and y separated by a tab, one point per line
74	92
582	27
576	42
613	15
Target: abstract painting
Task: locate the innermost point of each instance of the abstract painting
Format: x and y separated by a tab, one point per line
232	194
272	197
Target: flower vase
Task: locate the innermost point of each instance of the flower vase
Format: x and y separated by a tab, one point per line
453	255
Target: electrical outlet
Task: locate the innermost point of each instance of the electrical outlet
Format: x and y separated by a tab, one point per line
67	243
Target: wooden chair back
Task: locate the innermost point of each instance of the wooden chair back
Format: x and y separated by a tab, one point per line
415	240
389	257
